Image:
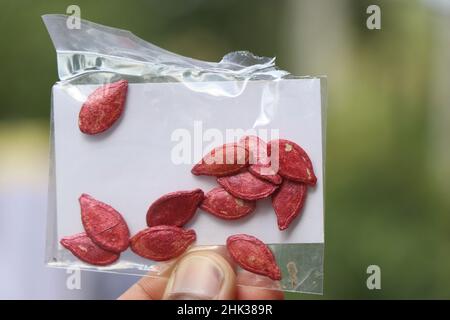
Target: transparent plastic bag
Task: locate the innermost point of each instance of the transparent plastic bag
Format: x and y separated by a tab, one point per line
132	164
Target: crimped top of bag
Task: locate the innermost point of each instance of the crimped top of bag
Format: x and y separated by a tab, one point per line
97	49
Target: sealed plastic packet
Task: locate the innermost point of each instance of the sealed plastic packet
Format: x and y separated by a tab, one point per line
153	154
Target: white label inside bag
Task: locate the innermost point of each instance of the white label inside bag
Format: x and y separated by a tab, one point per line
164	131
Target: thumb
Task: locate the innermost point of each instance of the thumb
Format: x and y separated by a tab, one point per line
201	275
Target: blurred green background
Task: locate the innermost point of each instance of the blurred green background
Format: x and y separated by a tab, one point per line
388	172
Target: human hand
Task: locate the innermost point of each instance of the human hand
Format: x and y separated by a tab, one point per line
202	274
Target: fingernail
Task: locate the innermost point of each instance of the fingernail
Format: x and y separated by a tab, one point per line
197	277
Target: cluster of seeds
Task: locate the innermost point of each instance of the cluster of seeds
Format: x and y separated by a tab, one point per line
252	176
244	171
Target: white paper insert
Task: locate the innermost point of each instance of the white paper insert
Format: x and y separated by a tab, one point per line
130	165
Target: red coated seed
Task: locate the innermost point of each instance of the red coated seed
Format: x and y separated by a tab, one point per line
288	202
223	205
265	172
103	107
246	186
259	160
257	149
175	208
294	162
224	160
253	255
86	250
162	243
104	225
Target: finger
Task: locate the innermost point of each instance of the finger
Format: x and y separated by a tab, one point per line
151	286
251	286
201	275
147	288
252	293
